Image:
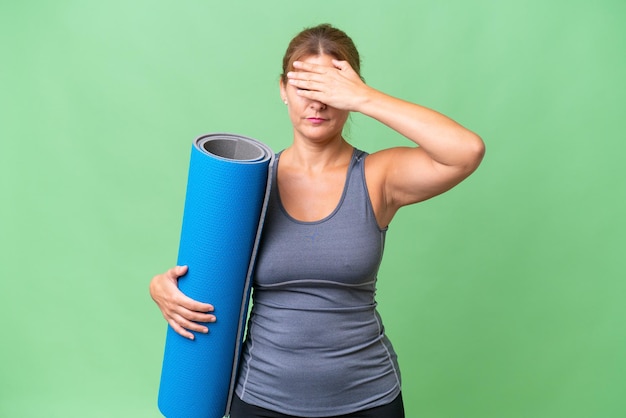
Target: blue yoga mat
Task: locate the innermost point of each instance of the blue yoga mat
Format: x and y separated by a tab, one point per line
227	189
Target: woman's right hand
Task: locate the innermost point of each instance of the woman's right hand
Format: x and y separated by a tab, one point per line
181	312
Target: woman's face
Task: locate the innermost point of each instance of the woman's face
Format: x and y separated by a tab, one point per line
313	120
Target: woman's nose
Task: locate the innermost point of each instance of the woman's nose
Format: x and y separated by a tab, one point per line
317	105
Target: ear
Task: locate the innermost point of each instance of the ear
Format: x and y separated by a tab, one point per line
283	91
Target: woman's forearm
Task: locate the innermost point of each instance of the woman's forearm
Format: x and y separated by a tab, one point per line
443	139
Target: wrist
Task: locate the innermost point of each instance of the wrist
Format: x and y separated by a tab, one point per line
369	101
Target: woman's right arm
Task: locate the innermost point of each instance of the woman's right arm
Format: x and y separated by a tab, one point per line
181	312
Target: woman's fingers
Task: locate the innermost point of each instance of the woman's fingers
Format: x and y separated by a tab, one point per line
309	71
192	304
183	313
179	329
302	66
177	271
184	326
341	65
167	291
306	74
189	316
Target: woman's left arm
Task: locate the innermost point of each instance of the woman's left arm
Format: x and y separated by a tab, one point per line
446	154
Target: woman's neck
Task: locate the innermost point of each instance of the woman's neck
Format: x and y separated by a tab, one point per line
316	157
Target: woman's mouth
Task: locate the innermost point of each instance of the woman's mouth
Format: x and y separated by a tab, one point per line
315	120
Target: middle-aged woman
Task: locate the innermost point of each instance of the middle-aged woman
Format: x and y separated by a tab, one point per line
316	345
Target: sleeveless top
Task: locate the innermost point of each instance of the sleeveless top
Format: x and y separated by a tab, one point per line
316	345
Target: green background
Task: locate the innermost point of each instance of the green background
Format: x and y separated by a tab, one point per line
504	297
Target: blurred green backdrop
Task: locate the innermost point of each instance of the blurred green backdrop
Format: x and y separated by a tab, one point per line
505	297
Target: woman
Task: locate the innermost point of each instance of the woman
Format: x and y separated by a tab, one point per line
316	345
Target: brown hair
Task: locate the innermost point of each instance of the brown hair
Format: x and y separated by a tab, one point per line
321	39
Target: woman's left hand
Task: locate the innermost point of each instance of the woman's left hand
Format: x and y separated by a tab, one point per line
338	86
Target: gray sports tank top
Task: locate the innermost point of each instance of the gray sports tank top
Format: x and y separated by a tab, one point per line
316	345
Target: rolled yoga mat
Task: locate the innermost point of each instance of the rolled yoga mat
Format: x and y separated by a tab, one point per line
227	189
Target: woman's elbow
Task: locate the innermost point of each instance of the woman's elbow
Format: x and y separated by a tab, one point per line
475	151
